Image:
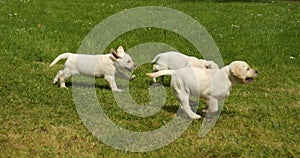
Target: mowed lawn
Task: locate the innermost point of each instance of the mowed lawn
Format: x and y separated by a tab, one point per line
39	119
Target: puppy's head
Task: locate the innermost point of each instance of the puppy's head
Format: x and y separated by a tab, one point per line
241	72
123	59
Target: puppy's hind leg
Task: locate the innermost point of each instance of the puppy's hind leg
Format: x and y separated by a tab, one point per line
207	102
212	105
59	73
158	68
62	77
213	109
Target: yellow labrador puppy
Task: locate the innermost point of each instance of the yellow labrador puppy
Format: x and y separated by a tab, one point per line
103	65
213	85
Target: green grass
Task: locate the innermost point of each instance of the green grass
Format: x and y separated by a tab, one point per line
39	119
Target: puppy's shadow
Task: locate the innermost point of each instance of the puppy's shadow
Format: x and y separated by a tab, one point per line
195	106
157	84
170	108
87	85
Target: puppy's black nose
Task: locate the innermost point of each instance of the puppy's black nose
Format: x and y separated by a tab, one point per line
256	71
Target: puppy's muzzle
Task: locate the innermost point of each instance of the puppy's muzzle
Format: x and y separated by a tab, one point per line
251	78
131	68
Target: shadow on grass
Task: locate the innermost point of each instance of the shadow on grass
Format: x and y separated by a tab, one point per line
87	85
157	84
198	108
170	108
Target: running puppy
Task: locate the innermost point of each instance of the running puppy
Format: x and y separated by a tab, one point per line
107	66
176	60
212	85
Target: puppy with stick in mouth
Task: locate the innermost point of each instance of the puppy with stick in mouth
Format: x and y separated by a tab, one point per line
104	65
212	85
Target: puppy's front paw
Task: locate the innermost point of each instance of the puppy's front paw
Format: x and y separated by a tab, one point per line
196	117
117	90
54	81
132	77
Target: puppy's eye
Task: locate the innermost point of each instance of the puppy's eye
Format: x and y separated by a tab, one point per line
248	69
128	61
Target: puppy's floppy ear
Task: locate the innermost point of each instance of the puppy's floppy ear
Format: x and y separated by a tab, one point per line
236	70
114	56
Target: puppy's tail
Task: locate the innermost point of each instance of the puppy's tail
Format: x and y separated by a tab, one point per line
62	56
160	73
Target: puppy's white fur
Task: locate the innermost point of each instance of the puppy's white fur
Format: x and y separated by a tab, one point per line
107	66
212	85
176	60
